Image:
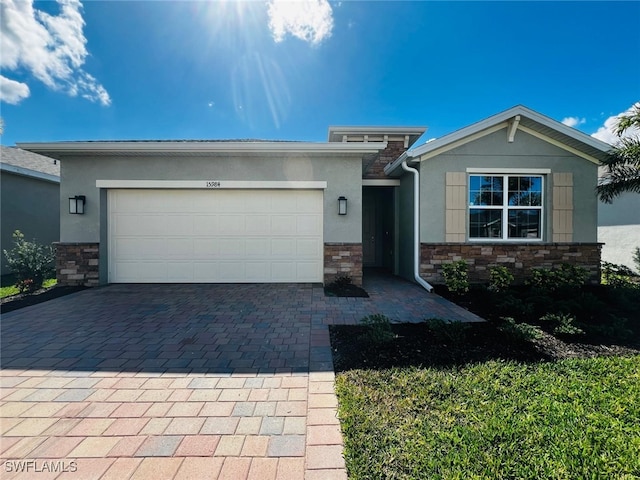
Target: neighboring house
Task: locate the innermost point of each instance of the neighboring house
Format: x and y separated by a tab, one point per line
30	198
516	189
619	229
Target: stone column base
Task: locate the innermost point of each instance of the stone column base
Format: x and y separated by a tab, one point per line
77	264
343	260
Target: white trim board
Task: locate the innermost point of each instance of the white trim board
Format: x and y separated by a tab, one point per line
382	182
211	184
500	171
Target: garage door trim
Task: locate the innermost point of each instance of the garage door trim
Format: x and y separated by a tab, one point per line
211	184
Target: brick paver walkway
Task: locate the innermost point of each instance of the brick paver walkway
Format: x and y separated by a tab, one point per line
183	381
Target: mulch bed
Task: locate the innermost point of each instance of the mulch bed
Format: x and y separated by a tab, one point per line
344	290
21	300
416	345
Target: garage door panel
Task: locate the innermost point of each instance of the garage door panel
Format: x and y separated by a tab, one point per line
283	247
307	247
179	247
205	248
306	271
180	271
205	225
281	271
308	225
257	271
257	224
177	224
231	224
215	235
231	247
283	225
257	247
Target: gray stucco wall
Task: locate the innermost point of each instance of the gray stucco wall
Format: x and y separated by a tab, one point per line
342	174
493	151
31	206
406	203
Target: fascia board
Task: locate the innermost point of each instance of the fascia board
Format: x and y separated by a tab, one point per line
75	148
27	172
346	130
502	117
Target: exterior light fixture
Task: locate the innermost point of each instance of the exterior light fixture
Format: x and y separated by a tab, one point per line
342	205
76	204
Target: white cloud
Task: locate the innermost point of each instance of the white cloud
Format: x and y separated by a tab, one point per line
51	47
573	121
11	91
606	133
308	20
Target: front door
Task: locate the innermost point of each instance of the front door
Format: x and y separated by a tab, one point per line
377	227
368	228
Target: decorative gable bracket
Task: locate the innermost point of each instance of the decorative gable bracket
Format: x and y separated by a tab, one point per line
513	128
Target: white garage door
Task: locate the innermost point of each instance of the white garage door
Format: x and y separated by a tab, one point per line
215	236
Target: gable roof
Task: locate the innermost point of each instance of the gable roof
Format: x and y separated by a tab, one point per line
514	119
21	162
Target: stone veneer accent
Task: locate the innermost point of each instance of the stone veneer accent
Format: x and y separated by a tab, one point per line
518	258
343	259
77	264
375	168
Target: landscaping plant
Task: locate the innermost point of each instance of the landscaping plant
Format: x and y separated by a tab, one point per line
456	277
30	262
378	328
500	278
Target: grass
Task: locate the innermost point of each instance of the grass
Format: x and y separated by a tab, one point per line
9	290
570	419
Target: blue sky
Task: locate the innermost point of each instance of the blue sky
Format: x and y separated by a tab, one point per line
105	70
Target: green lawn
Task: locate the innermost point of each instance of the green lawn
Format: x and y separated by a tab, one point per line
13	290
572	419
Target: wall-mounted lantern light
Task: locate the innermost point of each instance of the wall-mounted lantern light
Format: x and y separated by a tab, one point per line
76	204
342	206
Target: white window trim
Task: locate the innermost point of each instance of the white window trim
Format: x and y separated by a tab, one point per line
531	172
505	173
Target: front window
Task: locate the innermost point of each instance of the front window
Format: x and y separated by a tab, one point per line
505	207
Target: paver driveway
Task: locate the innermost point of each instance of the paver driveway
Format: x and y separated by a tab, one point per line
184	381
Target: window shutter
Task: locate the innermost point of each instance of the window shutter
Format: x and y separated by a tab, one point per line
456	207
562	207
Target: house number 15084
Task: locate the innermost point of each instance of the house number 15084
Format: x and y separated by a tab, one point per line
213	184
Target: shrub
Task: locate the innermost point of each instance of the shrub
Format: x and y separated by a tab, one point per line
636	258
565	275
31	263
564	324
520	331
617	275
509	305
500	278
456	277
615	328
452	333
378	328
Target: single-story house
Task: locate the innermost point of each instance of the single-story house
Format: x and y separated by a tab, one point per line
515	189
30	198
